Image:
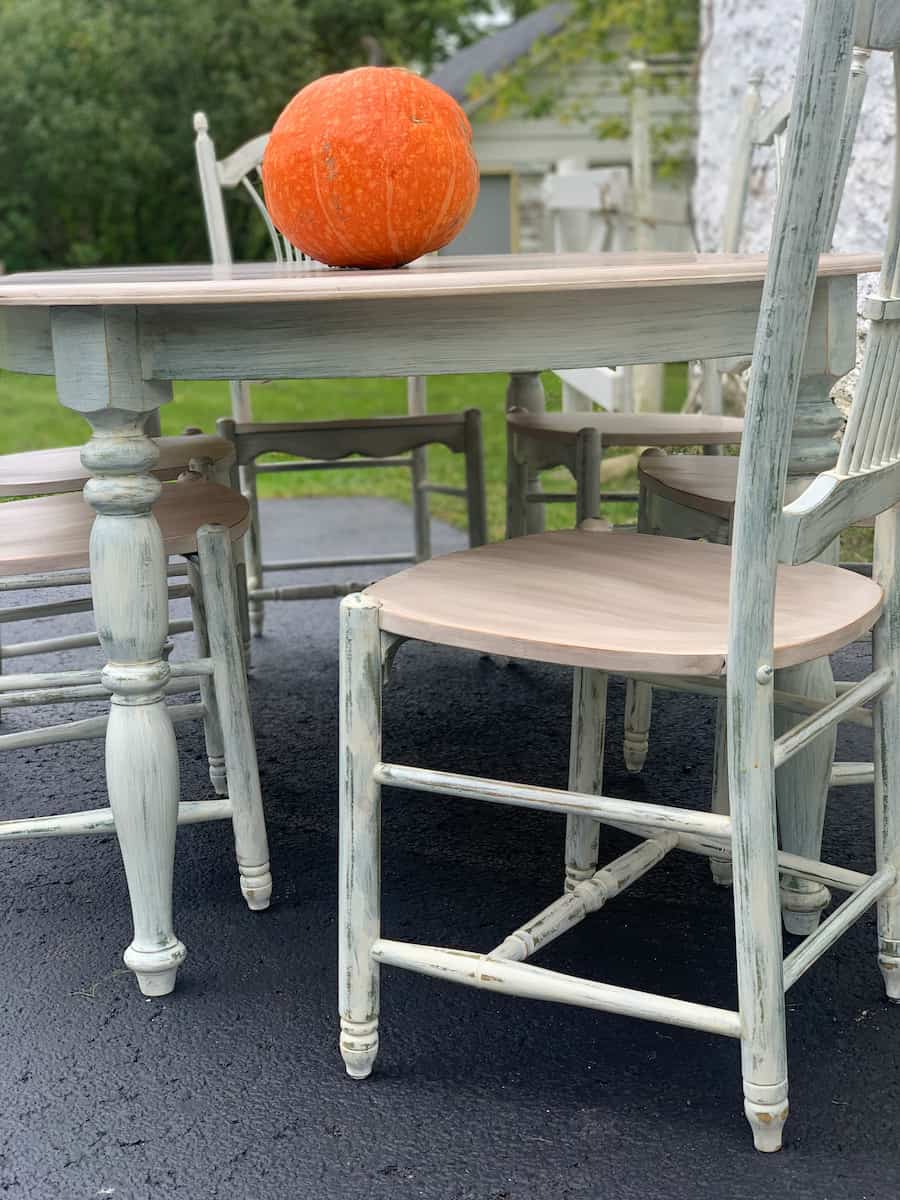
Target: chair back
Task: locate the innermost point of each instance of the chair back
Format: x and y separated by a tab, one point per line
767	127
864	481
240	169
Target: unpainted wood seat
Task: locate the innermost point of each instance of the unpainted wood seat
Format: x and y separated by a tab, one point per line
699	482
47	472
616	602
53	533
634	429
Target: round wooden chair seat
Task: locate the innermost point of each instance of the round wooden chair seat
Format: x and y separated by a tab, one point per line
693	480
47	472
53	533
619	602
634	429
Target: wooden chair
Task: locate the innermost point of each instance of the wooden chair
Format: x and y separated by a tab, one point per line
540	442
331	441
726	616
35	473
688	496
199	521
241	169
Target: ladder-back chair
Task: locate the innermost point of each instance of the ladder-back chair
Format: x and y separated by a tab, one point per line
241	169
731	614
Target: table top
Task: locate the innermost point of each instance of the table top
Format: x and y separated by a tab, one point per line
244	283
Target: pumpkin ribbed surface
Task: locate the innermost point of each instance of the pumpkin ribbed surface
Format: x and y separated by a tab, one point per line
370	168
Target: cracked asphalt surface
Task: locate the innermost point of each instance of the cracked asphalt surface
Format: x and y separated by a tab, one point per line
232	1088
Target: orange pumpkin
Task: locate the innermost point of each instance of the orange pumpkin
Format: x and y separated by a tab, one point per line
370	168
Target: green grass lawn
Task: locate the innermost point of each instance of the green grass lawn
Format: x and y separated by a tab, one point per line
30	417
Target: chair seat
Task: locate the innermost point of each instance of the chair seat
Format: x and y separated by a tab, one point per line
53	533
47	472
634	429
619	602
696	481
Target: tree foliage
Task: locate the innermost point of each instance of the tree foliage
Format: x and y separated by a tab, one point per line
97	96
609	31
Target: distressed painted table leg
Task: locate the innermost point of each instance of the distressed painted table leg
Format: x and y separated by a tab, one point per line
525	391
585	771
98	374
801	788
359	839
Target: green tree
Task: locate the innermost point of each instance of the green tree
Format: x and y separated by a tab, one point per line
611	31
96	100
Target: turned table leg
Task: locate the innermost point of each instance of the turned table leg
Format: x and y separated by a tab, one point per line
98	374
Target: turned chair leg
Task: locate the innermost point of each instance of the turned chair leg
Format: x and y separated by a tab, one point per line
212	726
253	551
801	786
230	682
639	696
636	739
585	771
886	653
757	913
359	855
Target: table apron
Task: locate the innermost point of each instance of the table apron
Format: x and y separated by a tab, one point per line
488	333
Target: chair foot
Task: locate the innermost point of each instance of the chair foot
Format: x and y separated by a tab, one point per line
256	886
890	970
767	1123
801	910
359	1047
257	616
155	970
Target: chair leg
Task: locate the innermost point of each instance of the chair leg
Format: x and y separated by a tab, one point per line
253	551
757	910
230	681
212	726
516	486
801	787
721	867
526	391
359	894
476	498
585	771
588	459
886	653
416	406
639	696
636	741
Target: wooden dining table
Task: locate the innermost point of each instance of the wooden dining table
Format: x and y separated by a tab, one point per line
116	339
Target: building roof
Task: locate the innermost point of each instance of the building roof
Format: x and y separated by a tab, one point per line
499	51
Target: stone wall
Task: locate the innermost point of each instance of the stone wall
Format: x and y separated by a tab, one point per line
739	39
